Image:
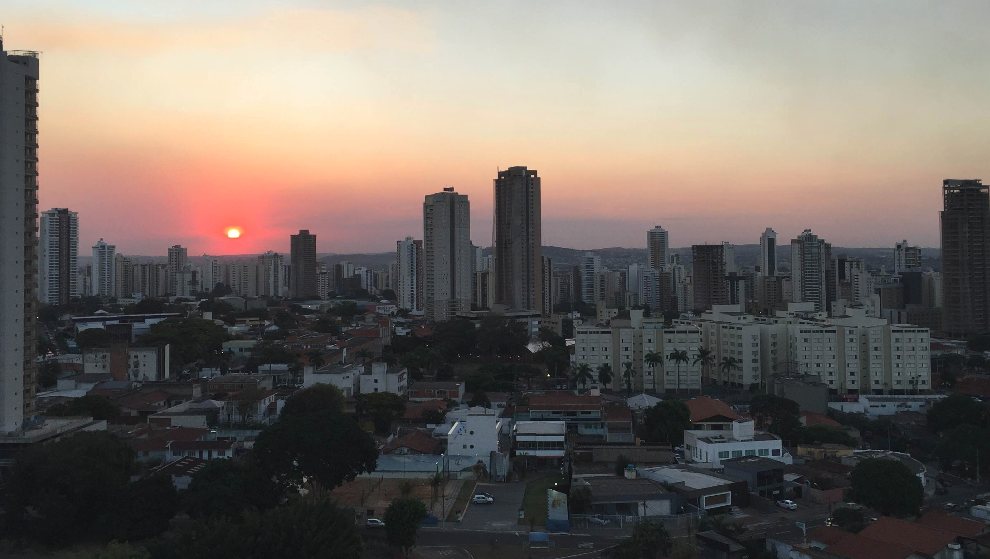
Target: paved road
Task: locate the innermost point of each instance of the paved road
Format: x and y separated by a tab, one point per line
453	537
502	515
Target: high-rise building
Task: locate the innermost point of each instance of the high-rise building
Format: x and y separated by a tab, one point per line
271	277
708	276
150	279
211	273
123	276
591	266
408	258
965	224
657	248
768	253
18	236
59	250
548	292
906	257
302	275
104	269
518	237
447	255
811	263
177	260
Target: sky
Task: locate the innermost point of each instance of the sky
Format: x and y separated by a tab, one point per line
169	121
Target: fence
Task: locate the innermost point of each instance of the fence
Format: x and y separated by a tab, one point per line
624	522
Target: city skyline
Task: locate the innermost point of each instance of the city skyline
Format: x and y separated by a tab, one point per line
715	143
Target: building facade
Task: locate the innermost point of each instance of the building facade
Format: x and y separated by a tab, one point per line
906	257
965	232
657	248
104	269
59	256
811	260
708	276
768	253
302	275
518	240
447	255
178	258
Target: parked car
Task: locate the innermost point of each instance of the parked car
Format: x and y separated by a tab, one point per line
597	519
374	523
787	504
482	499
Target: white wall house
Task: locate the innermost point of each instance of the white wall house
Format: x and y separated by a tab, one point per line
474	435
710	447
540	439
344	377
381	378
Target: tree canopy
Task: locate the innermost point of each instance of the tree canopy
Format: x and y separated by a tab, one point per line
777	414
191	340
91	405
888	486
327	447
649	540
666	421
230	487
92	338
402	520
956	410
315	399
381	407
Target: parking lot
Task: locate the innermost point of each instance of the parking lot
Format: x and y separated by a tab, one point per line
503	514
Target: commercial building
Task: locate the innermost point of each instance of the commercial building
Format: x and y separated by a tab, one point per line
657	248
447	258
699	489
965	231
18	236
104	269
302	272
711	446
59	256
518	240
475	434
811	260
583	415
540	440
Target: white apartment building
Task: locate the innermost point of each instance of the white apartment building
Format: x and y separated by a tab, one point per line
58	256
540	439
272	281
381	378
345	377
591	266
408	255
103	269
811	258
142	363
475	435
447	258
710	447
19	72
906	257
212	273
630	341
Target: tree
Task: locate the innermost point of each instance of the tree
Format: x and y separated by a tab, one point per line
499	336
315	359
579	500
326	325
92	338
886	485
389	295
667	421
48	373
729	364
71	490
327	447
621	462
381	407
777	414
824	434
433	416
649	540
90	405
190	340
402	520
956	410
627	375
848	519
968	444
605	374
653	358
678	356
479	398
704	357
583	375
315	399
229	488
310	528
151	504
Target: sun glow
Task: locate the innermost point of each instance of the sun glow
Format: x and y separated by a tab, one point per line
233	233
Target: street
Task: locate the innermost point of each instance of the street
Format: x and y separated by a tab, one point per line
502	515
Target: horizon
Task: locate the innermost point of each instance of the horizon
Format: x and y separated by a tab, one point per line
712	122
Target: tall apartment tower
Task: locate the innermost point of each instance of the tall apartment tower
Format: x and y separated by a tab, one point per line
591	267
811	262
271	275
447	255
518	236
657	248
548	293
18	236
177	260
123	277
104	269
965	224
59	256
768	253
708	275
302	262
906	257
408	257
212	272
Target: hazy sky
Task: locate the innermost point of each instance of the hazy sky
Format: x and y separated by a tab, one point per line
168	121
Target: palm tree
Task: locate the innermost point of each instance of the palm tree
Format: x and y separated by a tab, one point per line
729	364
678	356
704	357
627	373
316	359
604	374
653	359
583	374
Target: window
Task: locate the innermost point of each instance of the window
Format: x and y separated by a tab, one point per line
764	452
723	454
775	452
736	453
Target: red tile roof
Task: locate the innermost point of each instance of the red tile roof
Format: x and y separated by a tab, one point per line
812	418
565	402
617	413
858	547
417	440
941	520
159	440
704	408
143	401
414	411
828	535
912	536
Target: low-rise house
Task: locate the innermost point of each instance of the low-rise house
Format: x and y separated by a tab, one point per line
200	413
583	415
345	377
716	545
425	391
608	454
541	442
252	406
236	382
207	450
619	424
82	381
414	411
711	446
181	471
709	414
640	497
382	378
135	407
151	445
826	451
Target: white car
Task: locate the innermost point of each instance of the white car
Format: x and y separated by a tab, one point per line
374	523
482	499
787	504
597	519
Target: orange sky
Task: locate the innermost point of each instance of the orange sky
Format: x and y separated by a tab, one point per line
167	123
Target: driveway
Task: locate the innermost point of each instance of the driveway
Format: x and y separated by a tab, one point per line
502	515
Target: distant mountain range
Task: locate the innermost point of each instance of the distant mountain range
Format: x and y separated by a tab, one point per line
616	257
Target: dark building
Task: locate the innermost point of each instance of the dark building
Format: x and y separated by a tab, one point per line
763	476
708	276
965	229
518	246
302	270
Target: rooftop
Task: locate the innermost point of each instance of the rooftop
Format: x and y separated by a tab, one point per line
415	440
565	402
752	463
941	520
540	428
910	535
691	479
612	489
704	408
811	418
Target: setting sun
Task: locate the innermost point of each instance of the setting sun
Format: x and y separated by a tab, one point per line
233	233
